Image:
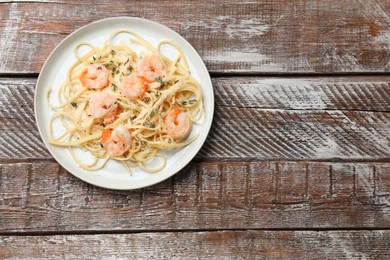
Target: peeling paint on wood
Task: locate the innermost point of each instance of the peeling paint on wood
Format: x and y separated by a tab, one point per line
258	168
254	119
251	244
250	37
41	196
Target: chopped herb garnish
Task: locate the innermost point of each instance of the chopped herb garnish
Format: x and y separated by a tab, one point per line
130	68
113	86
93	57
159	80
112	52
149	123
74	104
113	70
101	145
157	93
108	64
117	72
102	124
126	61
190	102
154	111
99	68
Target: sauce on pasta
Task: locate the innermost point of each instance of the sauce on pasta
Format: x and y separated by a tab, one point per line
127	106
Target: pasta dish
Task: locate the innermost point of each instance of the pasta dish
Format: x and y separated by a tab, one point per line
125	105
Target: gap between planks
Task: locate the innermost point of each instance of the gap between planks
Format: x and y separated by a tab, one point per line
225	160
34	75
208	230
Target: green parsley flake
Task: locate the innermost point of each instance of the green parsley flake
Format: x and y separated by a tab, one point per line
149	123
108	64
154	111
159	80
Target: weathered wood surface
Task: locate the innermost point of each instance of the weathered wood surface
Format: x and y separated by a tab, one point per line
278	36
250	244
255	118
288	161
41	196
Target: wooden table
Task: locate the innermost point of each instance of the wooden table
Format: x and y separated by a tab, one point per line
297	163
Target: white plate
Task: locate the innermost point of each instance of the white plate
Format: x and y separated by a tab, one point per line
114	175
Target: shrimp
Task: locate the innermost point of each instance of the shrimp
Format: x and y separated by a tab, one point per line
103	105
178	124
117	141
151	67
133	86
95	76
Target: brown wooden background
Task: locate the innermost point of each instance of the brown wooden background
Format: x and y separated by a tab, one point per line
297	163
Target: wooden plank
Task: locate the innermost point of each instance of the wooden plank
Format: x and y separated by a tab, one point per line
250	244
42	197
304	93
267	119
278	36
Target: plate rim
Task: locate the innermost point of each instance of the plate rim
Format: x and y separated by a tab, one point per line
147	183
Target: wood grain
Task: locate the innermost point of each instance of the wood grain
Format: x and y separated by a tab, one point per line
203	245
294	167
304	93
277	36
42	197
255	118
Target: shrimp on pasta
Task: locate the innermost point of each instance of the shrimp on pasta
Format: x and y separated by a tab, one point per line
126	105
103	105
95	76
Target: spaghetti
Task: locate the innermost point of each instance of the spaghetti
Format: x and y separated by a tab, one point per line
127	106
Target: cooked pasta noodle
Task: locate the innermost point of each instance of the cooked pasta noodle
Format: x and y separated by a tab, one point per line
127	106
